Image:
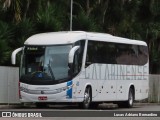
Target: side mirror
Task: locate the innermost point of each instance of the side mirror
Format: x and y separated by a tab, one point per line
71	55
14	53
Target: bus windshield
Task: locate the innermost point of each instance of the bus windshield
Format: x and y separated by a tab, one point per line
42	63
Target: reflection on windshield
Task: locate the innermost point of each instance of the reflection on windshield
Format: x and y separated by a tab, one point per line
45	62
56	61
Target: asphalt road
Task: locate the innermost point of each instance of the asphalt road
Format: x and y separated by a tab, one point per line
72	112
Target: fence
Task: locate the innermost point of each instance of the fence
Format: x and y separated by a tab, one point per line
154	88
9	77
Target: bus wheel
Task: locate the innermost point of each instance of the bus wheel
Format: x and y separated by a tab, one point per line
129	102
87	99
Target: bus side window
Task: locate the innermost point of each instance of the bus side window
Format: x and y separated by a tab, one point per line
89	55
143	55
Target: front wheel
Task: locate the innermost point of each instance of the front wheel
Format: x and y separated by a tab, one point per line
87	99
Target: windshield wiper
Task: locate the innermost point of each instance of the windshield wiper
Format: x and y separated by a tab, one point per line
50	70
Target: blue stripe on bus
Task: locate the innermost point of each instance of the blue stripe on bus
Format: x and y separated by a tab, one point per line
69	91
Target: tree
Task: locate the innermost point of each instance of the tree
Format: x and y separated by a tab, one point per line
135	19
15	6
5	35
49	19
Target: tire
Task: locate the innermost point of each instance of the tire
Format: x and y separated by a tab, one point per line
129	102
87	99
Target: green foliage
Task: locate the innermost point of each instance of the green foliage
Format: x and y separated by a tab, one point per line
48	20
15	8
84	23
135	19
5	36
22	31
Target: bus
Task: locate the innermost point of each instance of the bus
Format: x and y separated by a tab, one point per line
81	67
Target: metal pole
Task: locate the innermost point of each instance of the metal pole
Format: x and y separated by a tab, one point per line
71	15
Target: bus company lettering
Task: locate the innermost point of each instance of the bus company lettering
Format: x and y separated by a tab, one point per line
115	72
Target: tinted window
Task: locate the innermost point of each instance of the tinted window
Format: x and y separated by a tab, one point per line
116	53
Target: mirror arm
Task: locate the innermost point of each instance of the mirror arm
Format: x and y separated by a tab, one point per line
14	53
71	54
71	59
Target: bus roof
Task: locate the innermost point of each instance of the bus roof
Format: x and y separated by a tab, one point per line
68	37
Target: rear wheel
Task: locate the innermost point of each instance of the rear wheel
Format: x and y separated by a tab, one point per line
129	102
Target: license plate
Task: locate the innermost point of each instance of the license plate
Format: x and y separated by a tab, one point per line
41	98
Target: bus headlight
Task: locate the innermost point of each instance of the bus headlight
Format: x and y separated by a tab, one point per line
24	89
62	89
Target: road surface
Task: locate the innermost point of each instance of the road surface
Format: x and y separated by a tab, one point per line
72	112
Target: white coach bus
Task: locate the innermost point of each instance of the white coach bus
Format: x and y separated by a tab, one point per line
84	68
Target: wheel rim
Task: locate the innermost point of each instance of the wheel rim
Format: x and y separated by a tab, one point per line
130	98
87	98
